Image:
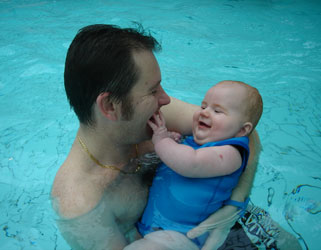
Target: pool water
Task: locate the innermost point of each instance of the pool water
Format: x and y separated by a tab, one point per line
272	45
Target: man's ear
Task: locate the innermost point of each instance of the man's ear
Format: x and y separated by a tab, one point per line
106	107
246	129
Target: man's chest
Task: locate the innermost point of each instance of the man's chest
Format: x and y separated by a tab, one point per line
129	199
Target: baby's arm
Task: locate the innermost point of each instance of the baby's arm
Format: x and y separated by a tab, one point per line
204	162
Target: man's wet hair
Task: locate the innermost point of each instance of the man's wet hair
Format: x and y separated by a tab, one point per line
100	59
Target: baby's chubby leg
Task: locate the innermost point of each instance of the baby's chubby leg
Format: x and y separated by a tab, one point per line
163	240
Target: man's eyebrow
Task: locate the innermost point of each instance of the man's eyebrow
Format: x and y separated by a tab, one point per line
154	86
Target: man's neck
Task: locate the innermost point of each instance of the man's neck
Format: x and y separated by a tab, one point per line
105	146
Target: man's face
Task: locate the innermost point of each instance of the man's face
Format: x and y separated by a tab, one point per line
146	97
127	109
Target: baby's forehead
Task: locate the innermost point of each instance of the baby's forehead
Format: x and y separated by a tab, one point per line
229	87
230	84
231	95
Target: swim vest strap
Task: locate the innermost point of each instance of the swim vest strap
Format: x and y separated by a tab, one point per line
241	205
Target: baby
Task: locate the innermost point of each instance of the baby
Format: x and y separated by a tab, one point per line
197	177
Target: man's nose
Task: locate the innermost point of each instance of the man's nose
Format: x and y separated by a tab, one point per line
163	97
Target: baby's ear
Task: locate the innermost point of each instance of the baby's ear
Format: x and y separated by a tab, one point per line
106	107
246	129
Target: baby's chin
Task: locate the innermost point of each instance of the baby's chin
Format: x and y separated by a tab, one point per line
200	141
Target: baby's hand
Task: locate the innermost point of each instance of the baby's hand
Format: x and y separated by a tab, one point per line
159	128
175	136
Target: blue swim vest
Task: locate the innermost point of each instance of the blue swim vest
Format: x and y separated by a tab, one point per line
180	203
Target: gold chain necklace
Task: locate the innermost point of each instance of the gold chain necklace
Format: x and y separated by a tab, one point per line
107	166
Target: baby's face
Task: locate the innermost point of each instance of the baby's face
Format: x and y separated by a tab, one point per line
221	115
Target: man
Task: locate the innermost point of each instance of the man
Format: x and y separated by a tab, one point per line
113	83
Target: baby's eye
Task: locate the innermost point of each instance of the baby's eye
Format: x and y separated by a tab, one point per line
217	111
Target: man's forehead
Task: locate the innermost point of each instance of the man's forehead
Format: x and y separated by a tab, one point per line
153	84
147	67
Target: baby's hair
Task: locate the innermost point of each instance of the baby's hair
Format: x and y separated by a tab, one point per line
254	102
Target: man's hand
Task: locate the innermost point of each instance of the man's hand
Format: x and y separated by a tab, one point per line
218	226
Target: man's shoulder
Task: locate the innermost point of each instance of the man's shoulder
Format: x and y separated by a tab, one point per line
73	196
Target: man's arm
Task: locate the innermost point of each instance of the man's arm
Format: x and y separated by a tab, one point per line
178	116
243	189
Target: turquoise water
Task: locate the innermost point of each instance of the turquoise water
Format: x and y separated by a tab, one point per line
273	45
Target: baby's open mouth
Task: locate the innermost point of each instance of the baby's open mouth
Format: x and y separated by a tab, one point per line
203	124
